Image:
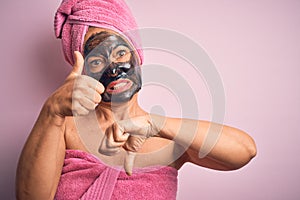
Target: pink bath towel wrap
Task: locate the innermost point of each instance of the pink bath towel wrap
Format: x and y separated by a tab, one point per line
85	177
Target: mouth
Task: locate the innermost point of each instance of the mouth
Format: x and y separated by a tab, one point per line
118	86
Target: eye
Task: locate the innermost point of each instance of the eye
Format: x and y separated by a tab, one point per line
96	64
121	53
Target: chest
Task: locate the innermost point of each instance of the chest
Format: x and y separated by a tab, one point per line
87	135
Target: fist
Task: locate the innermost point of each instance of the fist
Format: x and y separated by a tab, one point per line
129	134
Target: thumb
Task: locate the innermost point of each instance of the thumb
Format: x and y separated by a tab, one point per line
129	161
79	63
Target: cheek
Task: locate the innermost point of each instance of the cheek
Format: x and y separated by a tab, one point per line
96	75
133	73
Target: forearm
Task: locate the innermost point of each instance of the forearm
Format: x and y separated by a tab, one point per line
211	144
42	158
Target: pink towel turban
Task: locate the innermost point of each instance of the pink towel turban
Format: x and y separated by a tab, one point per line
73	18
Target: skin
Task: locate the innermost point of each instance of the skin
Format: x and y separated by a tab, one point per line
55	131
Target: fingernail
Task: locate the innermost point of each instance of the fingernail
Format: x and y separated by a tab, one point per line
129	173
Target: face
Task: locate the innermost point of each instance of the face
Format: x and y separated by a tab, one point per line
112	61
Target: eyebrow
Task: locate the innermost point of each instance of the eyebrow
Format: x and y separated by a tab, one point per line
94	41
124	45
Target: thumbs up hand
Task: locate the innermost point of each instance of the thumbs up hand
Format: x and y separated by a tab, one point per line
78	95
78	65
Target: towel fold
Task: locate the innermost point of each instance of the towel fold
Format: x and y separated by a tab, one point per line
73	18
86	177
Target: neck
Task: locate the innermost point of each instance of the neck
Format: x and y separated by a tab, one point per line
119	111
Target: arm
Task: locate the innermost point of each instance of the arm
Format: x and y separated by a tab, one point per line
225	148
42	158
231	149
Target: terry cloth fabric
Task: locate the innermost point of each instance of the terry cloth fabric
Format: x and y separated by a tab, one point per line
85	177
73	18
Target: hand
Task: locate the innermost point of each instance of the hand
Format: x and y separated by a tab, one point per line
79	94
130	134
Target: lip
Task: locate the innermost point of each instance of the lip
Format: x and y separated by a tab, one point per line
118	86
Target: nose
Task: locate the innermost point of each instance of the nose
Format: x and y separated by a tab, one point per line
114	70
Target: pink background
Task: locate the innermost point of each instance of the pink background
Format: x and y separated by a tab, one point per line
255	46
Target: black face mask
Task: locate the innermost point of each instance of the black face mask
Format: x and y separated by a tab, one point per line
110	60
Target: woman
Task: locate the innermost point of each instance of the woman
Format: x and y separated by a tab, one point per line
93	123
